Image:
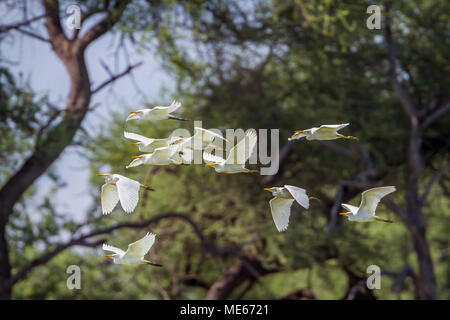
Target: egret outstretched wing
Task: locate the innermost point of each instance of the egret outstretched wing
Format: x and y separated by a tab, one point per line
371	198
349	207
174	106
163	154
109	198
137	137
281	210
128	193
207	135
210	158
107	247
140	248
332	127
299	195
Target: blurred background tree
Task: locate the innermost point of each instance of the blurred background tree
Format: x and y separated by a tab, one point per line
254	64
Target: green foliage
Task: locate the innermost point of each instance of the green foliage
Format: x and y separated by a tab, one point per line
289	65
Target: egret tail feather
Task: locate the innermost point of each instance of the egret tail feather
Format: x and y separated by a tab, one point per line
152	264
147	188
176	118
383	220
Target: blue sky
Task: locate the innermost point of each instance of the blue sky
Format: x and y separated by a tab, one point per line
36	61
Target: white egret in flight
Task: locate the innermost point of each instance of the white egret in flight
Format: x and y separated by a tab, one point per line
239	154
146	144
159	157
281	204
156	113
201	139
135	253
324	132
369	201
119	188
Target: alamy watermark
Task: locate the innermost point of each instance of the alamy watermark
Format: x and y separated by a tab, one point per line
374	280
374	20
74	280
73	21
260	154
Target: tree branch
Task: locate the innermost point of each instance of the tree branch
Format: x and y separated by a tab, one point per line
53	24
82	241
33	35
16	26
104	25
405	101
116	77
436	177
435	114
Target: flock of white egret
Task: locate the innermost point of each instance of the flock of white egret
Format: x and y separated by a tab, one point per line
178	150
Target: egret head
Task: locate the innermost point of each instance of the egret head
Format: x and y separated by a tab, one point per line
275	190
134	115
138	160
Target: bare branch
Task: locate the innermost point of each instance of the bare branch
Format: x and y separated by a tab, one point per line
19	275
82	241
16	26
54	28
435	114
436	177
105	24
114	78
33	35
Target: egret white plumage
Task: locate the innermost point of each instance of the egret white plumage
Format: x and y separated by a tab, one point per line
201	139
369	202
147	144
159	157
239	154
135	252
119	188
156	113
280	205
324	132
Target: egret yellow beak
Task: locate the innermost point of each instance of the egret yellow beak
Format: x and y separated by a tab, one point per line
101	174
109	255
268	189
299	131
343	213
210	165
136	157
133	112
134	143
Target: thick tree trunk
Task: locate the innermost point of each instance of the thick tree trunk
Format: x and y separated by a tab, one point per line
58	137
54	140
427	287
5	267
